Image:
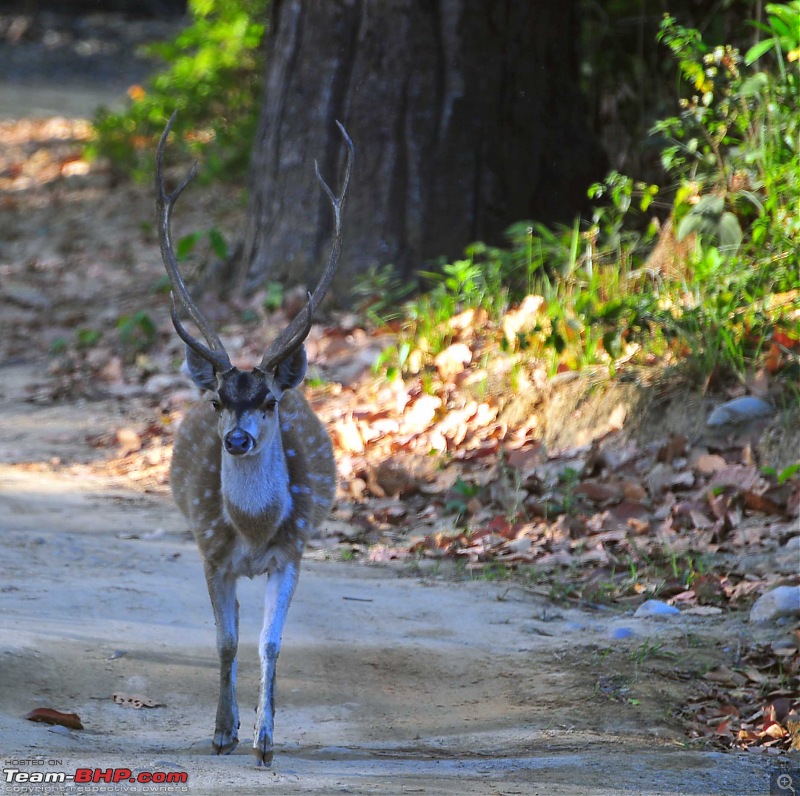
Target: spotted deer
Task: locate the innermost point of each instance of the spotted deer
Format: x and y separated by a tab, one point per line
252	468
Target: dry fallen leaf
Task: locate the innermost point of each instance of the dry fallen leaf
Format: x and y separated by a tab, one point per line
129	441
738	476
50	716
599	492
419	415
347	437
792	722
523	318
392	478
709	463
452	360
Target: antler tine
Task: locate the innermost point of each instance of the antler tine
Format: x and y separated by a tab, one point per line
215	354
292	337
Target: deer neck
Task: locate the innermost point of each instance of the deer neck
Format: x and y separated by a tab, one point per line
255	488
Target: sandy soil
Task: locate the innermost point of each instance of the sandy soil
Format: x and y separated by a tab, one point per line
388	682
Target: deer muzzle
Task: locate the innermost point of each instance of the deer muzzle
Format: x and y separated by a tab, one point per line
238	442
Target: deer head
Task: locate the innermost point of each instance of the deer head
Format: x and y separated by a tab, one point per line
246	400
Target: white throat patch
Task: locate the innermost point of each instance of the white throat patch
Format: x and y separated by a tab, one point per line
260	481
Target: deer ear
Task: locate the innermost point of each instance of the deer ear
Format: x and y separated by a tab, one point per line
292	370
200	370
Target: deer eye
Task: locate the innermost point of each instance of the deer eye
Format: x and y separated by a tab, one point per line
270	404
216	405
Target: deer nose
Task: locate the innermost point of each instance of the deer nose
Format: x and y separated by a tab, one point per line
238	442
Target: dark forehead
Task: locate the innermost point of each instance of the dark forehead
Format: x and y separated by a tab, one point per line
243	389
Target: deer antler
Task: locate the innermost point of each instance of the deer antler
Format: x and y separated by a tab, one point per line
292	337
215	352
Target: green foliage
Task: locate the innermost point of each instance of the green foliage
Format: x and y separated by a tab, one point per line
461	494
273	300
215	239
732	153
87	337
137	332
784	39
584	275
212	76
708	217
379	293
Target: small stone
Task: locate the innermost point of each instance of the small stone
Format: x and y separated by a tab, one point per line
572	627
655	608
619	633
740	410
783	601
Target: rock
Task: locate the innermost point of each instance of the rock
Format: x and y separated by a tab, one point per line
740	410
782	601
655	608
619	633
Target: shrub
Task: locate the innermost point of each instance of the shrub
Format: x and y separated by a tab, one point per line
212	76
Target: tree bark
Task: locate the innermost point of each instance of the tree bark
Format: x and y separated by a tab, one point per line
466	116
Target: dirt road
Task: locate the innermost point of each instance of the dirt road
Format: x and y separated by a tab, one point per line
388	683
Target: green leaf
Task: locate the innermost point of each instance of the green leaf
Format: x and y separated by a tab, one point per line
786	474
186	244
218	243
754	86
274	296
612	343
757	50
703	218
402	353
88	337
729	233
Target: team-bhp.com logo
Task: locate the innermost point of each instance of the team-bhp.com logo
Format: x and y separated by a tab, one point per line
32	781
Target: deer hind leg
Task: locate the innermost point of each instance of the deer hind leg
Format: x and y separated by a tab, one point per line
222	590
280	588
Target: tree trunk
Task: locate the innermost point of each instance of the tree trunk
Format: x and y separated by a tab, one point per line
466	117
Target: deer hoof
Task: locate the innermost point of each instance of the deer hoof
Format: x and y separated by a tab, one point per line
224	743
263	751
263	758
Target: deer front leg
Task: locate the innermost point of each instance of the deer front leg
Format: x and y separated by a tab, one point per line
280	588
222	590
